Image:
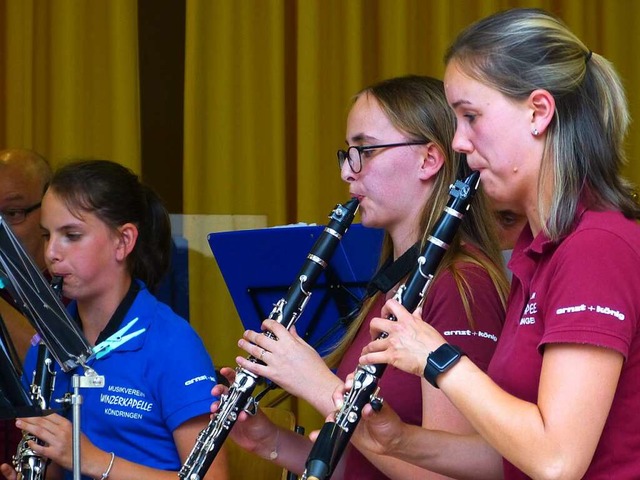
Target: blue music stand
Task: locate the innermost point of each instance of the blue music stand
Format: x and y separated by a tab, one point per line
259	265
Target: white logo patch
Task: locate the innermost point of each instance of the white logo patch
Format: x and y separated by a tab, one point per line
597	308
470	333
528	317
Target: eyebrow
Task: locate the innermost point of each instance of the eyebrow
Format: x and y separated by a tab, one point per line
460	102
14	196
361	137
63	229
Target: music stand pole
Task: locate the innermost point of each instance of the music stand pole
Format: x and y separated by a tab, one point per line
90	379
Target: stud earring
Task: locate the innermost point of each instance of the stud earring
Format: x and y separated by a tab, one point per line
535	132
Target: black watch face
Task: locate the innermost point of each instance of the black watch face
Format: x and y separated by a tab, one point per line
441	358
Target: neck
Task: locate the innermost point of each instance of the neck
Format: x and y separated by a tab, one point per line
402	242
539	200
96	312
534	225
537	219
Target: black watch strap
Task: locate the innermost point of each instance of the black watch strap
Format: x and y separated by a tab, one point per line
440	360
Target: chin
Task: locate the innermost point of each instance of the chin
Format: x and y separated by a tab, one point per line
370	223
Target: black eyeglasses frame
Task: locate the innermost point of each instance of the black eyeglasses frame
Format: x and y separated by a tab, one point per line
343	155
15	216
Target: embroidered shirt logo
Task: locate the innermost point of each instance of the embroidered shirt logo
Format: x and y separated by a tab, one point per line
125	402
530	311
201	378
470	333
592	308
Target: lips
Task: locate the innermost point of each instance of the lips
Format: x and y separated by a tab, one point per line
476	162
472	165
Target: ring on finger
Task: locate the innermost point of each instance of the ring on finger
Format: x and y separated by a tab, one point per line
262	353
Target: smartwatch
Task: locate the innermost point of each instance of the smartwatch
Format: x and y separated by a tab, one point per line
440	360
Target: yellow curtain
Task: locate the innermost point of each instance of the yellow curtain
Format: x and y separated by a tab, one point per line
235	163
268	87
70	79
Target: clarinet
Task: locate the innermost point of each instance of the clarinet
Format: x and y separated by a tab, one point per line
286	311
28	464
334	436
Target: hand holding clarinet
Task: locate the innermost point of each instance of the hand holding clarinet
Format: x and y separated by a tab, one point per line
239	398
334	436
382	431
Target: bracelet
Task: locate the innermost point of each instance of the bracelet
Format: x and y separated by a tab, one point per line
274	453
106	473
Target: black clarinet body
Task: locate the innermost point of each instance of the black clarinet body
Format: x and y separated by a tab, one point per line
28	464
286	311
334	436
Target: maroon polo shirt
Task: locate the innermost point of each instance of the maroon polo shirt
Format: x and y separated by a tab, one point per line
444	310
583	289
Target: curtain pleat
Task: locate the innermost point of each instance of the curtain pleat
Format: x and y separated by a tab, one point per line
234	143
71	79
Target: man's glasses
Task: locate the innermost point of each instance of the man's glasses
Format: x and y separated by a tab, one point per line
353	154
15	216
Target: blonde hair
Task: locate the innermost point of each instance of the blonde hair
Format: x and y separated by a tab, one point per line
417	106
518	51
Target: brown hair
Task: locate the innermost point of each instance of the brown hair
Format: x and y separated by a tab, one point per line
114	194
518	51
417	106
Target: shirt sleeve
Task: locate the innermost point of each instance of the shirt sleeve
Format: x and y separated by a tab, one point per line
186	377
594	299
444	310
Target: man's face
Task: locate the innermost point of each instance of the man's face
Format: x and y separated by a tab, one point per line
21	188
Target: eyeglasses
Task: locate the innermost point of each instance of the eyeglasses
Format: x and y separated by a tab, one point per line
15	216
353	154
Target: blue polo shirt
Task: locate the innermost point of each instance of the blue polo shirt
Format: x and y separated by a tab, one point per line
154	382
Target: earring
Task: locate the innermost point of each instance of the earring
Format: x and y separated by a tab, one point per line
535	132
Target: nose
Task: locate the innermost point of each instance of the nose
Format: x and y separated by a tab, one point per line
461	142
51	253
346	173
